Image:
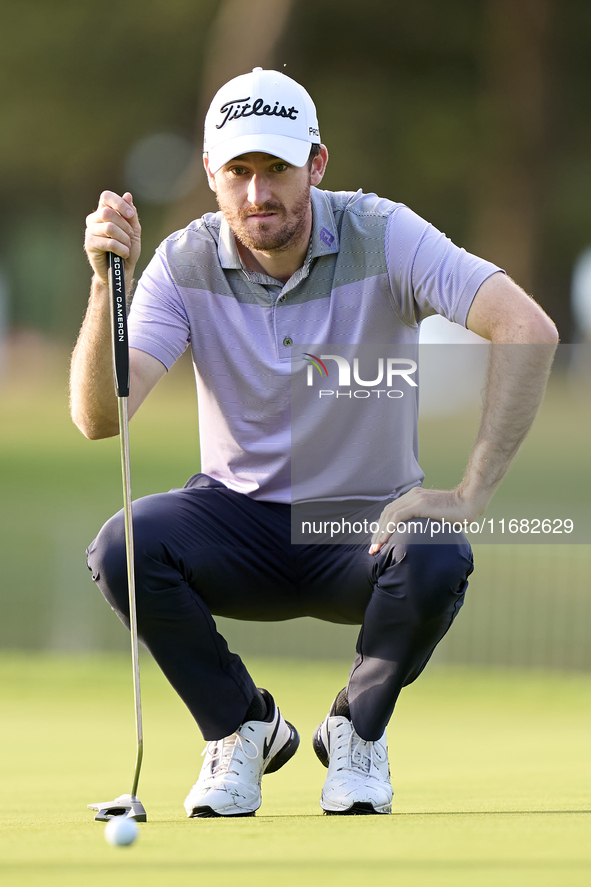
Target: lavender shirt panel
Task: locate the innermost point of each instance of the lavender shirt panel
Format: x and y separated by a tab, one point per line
357	312
244	375
158	321
243	394
430	274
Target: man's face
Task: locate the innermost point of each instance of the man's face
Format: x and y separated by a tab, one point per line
265	201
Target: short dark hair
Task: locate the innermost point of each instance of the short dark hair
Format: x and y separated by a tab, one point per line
314	152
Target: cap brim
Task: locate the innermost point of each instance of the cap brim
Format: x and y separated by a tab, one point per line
293	151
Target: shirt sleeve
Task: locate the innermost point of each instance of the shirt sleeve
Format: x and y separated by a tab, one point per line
428	273
158	322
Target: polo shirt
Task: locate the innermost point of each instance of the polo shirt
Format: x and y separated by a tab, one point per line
373	271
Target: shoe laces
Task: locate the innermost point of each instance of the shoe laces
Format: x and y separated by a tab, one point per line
359	754
224	754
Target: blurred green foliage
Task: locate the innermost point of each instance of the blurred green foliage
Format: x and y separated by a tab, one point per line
79	85
429	103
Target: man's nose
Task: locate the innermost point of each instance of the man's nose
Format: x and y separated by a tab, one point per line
258	190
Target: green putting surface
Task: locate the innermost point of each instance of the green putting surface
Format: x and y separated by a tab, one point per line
490	772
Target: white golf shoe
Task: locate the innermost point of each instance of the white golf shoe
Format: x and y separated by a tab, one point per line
230	780
358	780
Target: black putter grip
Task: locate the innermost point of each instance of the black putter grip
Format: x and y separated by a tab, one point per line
119	322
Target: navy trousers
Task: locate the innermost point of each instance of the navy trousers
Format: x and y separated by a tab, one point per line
207	551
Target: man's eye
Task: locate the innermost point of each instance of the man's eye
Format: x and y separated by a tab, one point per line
280	167
237	171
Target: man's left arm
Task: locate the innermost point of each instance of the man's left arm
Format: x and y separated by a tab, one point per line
516	380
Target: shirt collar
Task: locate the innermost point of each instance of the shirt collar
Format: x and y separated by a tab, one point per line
324	239
227	251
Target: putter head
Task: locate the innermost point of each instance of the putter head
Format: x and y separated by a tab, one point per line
125	805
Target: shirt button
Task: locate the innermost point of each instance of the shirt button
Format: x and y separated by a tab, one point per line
287	342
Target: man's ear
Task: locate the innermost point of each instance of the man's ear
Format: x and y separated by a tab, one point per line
319	166
210	177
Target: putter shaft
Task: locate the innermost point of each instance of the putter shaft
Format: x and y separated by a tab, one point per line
125	805
125	471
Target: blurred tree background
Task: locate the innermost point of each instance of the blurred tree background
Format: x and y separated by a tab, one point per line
476	113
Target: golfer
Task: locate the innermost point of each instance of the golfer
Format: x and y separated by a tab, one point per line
284	262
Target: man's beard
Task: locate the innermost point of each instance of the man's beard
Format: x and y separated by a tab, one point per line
266	240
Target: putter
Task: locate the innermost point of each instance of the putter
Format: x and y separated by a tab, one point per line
125	805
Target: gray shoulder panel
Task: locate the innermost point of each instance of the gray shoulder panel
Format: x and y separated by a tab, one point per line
192	255
361	219
362	229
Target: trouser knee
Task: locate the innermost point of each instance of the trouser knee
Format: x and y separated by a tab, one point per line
106	557
428	577
160	589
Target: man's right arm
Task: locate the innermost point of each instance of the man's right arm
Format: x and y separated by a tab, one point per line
113	227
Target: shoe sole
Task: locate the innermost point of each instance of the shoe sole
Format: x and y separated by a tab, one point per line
361	808
210	813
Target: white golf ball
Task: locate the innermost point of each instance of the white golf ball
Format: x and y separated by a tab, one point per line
121	831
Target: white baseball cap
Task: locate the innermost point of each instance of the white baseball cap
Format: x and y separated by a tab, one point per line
261	111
